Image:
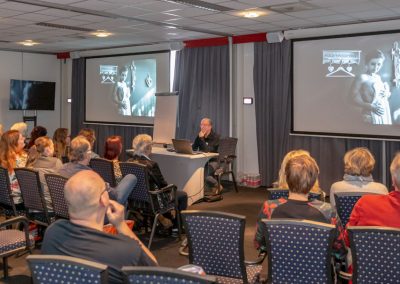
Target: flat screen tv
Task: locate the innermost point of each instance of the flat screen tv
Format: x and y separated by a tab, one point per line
31	95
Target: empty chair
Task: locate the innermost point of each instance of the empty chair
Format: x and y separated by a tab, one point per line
6	200
227	155
216	244
33	196
105	168
299	251
14	241
150	275
149	202
48	269
56	184
345	202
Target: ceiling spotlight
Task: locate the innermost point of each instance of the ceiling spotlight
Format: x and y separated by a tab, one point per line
101	33
28	42
251	14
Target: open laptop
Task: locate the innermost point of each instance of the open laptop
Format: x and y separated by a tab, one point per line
183	146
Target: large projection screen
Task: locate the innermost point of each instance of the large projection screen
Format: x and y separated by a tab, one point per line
347	86
121	89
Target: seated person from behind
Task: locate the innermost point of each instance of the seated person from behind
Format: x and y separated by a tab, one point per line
79	157
208	141
82	236
142	145
301	174
90	136
358	166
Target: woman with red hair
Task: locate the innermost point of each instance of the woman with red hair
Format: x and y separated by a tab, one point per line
112	150
12	155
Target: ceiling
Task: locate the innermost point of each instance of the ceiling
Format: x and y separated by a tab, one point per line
67	25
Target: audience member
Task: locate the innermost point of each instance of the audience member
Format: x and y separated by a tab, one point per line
380	210
82	236
282	176
45	163
208	141
79	157
90	136
112	150
358	166
36	132
12	155
301	174
61	141
142	145
21	127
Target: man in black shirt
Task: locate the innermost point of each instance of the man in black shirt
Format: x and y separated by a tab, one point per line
82	236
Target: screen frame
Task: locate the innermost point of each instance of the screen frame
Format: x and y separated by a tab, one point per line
331	134
120	55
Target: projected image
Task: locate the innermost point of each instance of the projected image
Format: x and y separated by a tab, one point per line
340	62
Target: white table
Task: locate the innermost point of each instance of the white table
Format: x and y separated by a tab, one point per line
185	171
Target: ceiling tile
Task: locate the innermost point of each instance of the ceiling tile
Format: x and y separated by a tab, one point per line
94	5
236	5
218	17
20	7
239	22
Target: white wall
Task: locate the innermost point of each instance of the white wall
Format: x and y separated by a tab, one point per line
29	66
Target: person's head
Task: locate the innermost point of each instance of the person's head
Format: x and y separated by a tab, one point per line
89	134
206	125
374	61
11	144
142	144
301	174
44	146
124	74
282	175
395	171
37	131
61	135
22	127
86	196
359	162
80	150
113	147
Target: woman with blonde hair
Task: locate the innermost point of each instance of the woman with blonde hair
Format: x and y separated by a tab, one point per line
61	142
12	155
358	166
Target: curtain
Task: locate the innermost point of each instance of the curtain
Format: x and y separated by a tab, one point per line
102	131
272	88
202	82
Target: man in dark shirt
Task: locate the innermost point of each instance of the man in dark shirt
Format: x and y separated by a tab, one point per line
208	141
82	236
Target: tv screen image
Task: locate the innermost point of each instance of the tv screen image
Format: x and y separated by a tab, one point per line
31	95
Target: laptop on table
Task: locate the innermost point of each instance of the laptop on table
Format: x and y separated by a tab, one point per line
183	146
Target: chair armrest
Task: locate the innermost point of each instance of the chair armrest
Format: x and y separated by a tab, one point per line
258	260
168	188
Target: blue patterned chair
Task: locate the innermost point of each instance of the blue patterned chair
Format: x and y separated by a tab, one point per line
163	275
276	193
105	168
216	244
148	202
56	184
49	269
345	202
299	251
14	241
6	200
376	254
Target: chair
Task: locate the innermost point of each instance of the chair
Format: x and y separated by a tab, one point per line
345	202
299	251
216	244
6	200
276	193
375	252
56	184
48	269
149	202
33	196
105	168
150	275
14	241
226	151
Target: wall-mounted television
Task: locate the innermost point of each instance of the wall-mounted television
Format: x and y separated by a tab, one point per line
32	95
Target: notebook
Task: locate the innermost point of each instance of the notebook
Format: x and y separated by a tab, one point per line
184	147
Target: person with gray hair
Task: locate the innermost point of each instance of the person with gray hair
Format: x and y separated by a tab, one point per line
79	157
22	128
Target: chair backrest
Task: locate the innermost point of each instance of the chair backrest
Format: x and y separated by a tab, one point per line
299	251
6	199
31	191
149	275
345	202
227	147
276	193
105	168
56	184
375	252
140	192
66	269
216	242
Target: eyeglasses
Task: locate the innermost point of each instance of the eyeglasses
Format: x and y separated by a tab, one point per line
107	189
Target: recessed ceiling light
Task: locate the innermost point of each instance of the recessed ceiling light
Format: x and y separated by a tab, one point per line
251	14
101	33
28	42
